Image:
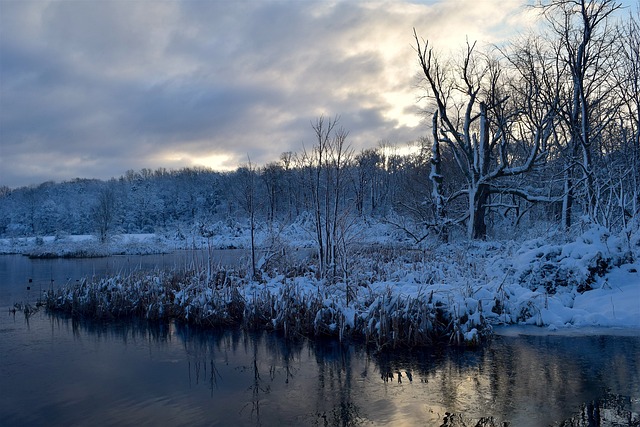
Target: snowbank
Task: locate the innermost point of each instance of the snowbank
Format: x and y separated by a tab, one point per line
616	301
592	281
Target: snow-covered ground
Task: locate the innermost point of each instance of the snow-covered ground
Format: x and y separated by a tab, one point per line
84	246
593	280
219	235
396	295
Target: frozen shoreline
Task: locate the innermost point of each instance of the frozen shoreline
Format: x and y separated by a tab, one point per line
400	296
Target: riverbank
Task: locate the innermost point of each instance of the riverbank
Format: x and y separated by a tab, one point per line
268	237
296	306
452	294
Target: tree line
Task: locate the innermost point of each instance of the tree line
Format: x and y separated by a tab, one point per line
149	201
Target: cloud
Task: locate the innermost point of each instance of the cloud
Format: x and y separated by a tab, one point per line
93	89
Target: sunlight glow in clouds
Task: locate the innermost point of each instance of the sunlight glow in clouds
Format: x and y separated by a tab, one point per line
220	162
94	88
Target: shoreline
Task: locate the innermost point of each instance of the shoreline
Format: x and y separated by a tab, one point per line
390	295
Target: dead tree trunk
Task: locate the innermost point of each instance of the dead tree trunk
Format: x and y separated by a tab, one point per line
436	181
492	134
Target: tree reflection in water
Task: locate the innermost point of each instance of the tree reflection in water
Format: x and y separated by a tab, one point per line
612	410
241	378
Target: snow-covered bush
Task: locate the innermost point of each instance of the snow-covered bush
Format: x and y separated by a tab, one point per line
540	265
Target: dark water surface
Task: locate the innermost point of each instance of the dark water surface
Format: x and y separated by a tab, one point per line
57	371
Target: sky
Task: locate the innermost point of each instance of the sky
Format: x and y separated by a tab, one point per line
93	88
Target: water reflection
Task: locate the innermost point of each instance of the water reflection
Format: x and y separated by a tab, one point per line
293	380
607	411
68	371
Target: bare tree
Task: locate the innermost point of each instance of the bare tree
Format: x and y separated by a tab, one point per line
437	178
326	165
246	193
585	44
104	212
286	163
365	164
272	176
490	134
629	78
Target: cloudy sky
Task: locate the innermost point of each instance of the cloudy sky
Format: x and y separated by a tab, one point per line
92	88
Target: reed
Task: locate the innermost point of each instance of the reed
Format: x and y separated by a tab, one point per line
301	306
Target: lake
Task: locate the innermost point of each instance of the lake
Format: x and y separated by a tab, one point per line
60	371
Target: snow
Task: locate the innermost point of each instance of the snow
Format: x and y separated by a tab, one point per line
615	303
75	246
591	281
583	283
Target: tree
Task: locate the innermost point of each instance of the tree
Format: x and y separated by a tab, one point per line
272	176
628	78
436	178
104	212
492	134
247	195
364	179
325	166
586	46
286	162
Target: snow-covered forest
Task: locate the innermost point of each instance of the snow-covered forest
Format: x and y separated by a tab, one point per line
536	142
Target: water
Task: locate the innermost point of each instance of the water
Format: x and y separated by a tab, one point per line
17	273
57	371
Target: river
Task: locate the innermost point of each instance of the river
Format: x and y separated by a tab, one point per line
60	371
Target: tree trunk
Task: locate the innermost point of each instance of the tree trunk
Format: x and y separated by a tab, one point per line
436	180
567	200
479	192
478	200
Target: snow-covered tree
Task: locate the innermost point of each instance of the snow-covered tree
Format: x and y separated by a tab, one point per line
585	44
492	131
104	212
325	165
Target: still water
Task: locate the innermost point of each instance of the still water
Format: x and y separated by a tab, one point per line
57	371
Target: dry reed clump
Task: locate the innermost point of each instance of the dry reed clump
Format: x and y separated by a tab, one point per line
295	306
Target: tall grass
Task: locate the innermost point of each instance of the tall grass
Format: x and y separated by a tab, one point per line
300	306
